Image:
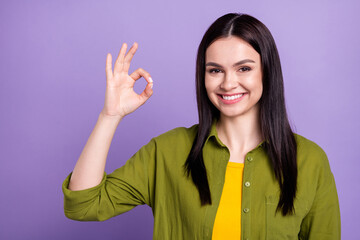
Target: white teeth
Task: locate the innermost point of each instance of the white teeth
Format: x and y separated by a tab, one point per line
233	97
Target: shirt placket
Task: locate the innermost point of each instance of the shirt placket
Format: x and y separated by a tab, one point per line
246	196
218	176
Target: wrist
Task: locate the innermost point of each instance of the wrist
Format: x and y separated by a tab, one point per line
112	118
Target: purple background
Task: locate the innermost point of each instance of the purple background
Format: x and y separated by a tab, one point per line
52	87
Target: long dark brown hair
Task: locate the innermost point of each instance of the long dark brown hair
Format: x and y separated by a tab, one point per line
279	139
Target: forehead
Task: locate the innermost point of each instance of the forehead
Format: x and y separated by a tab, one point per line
230	50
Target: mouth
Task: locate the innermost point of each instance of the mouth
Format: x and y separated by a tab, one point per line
231	98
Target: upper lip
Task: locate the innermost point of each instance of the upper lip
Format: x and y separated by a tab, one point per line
229	95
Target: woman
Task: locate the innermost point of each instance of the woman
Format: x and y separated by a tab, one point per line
241	172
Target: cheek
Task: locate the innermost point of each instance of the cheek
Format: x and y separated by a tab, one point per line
258	90
256	84
209	85
260	84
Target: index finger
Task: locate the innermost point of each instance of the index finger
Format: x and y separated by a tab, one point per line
138	73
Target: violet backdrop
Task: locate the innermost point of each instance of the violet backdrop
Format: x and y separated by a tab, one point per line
52	87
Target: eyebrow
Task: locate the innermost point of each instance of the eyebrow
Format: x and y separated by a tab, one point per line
236	64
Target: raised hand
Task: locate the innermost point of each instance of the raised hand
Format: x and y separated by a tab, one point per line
120	97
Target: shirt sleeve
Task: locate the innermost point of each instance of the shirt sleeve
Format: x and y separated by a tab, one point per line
323	219
118	192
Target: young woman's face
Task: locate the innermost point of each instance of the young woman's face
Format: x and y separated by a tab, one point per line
233	77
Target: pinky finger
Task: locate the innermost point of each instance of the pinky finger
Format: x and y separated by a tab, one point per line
108	68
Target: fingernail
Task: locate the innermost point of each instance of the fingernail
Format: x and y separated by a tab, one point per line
151	85
150	79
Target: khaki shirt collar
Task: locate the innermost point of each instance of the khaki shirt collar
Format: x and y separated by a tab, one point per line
214	134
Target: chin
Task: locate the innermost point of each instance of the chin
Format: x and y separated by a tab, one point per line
235	113
231	114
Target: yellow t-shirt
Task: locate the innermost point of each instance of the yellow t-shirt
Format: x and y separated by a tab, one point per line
228	216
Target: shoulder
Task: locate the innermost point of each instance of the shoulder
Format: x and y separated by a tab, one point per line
179	135
175	140
306	146
310	154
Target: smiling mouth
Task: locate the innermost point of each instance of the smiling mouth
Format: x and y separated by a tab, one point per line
233	97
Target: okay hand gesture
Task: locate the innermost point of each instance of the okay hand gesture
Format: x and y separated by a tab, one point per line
120	97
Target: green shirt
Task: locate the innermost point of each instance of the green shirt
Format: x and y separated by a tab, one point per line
155	176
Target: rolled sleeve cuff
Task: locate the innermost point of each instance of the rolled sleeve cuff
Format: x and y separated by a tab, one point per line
75	202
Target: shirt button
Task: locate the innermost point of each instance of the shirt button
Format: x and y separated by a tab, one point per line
249	159
246	210
247	184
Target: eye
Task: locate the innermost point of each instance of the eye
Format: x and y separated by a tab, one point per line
214	70
244	69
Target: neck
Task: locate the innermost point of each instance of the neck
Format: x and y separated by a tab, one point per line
240	134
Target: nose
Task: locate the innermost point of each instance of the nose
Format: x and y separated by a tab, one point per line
229	82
